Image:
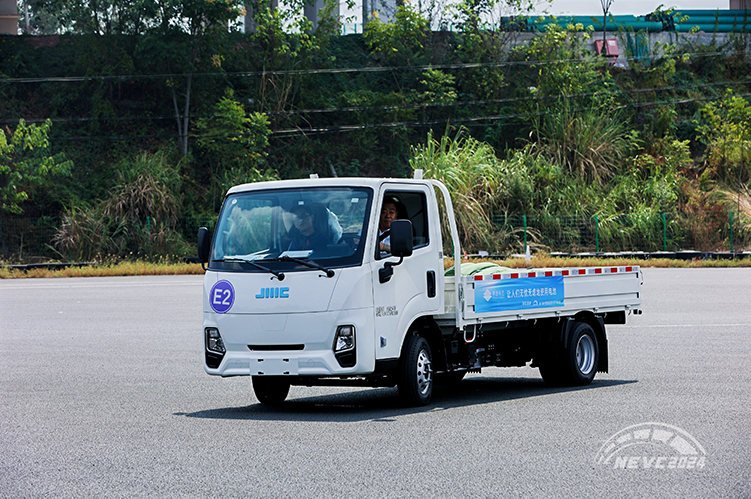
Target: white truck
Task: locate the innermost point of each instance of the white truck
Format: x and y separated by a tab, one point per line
343	312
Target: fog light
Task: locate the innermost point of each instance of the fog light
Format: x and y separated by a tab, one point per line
345	338
214	341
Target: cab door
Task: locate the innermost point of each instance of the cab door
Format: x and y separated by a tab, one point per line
416	286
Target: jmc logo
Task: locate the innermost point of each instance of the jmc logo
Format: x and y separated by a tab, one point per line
273	293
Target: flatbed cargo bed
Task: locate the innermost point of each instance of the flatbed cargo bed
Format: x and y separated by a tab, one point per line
513	294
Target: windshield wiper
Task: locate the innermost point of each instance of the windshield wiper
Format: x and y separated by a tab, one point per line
287	258
279	275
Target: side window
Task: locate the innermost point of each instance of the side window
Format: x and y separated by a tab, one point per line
403	205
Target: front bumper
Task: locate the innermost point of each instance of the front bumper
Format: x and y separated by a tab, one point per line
289	344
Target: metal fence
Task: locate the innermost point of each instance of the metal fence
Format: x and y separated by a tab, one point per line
32	240
707	231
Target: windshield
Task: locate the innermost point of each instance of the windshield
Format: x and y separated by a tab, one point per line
277	227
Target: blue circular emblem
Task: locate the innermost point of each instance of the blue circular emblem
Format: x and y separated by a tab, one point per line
222	297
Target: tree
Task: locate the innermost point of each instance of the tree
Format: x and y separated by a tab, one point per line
130	17
233	145
99	17
230	138
284	40
187	37
400	41
726	130
27	165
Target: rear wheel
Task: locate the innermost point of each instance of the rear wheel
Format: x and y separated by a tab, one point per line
415	380
576	364
584	361
270	390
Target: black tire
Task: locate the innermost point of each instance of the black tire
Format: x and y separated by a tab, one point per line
575	365
415	377
270	390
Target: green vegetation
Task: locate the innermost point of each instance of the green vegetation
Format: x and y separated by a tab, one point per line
121	135
26	164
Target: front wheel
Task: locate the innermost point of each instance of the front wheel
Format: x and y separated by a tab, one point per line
415	380
270	390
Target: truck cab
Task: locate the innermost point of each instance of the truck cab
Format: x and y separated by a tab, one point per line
336	310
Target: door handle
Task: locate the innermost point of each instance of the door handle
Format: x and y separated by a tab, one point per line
431	283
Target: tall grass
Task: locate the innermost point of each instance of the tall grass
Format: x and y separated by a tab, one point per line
131	268
470	170
588	142
138	217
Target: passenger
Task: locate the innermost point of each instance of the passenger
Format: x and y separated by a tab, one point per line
304	234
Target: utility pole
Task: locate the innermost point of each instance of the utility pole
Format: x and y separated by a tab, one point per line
605	8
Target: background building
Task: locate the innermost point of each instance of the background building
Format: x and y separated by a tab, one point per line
8	17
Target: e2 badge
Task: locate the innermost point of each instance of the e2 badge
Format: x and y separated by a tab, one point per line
222	297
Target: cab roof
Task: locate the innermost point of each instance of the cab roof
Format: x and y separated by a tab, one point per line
373	183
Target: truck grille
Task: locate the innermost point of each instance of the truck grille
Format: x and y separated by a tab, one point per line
269	348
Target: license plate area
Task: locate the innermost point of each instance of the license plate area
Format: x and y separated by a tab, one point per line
282	366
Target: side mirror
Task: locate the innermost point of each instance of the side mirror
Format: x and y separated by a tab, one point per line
401	238
204	245
401	246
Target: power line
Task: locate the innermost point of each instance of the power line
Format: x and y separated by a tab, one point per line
304	72
469	121
105	119
509	100
534	99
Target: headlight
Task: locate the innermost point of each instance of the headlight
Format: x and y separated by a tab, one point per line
345	339
214	341
344	346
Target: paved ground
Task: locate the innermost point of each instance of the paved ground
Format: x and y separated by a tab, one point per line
102	393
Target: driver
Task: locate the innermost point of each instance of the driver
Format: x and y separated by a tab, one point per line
304	234
389	213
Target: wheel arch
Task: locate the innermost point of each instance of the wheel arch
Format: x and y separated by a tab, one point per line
426	327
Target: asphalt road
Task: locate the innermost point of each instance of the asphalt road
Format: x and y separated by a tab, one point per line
102	393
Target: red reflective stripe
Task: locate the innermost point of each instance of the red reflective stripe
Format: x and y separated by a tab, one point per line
564	272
